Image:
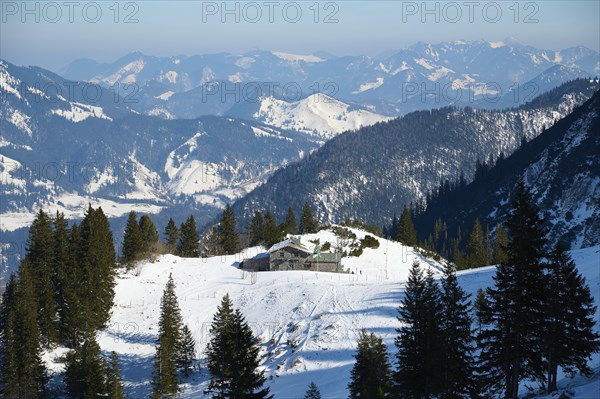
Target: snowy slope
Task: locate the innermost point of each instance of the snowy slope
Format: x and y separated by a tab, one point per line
318	114
307	322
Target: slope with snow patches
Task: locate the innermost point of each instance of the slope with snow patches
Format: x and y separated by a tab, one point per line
307	322
317	114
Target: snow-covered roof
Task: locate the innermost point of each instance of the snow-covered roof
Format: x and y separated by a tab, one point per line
290	242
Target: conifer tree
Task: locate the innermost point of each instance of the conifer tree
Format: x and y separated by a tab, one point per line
85	373
171	236
23	373
419	341
289	225
165	380
312	392
97	262
189	242
308	224
476	249
233	356
228	237
500	245
370	375
149	235
61	266
40	252
481	307
186	351
489	247
6	305
457	255
211	244
114	384
511	347
132	240
406	234
74	296
569	338
272	231
458	360
257	229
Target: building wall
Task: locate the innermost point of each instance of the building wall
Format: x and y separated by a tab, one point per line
287	258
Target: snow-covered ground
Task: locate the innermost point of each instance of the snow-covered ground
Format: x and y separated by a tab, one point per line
318	115
308	322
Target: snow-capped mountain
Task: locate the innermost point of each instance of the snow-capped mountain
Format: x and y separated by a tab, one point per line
562	168
61	150
318	115
421	76
372	173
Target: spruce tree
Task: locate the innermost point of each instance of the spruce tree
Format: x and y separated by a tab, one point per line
500	245
189	242
476	249
289	224
6	305
97	262
511	347
186	351
272	232
481	307
370	375
257	229
569	337
61	266
406	234
165	380
74	295
171	236
85	373
132	240
458	360
23	373
489	247
312	392
40	252
232	356
308	224
114	384
228	237
419	341
149	235
248	380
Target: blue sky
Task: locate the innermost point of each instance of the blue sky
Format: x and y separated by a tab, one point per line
52	34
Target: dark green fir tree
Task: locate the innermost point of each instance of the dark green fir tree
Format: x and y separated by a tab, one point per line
189	242
370	377
132	240
308	224
232	356
165	379
228	237
289	224
171	236
406	234
312	392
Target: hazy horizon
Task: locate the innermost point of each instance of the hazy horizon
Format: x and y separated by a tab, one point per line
52	35
56	68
